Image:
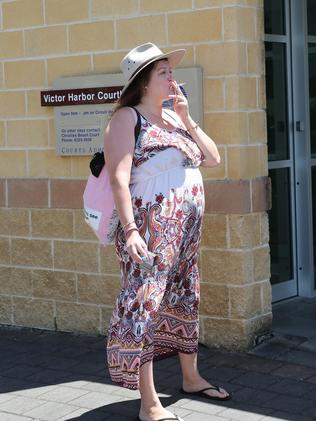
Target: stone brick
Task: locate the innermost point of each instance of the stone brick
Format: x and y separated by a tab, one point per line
259	16
58	11
15	281
14	222
12	104
239	23
231	58
67	194
227	196
219	171
204	26
245	301
77	317
262	102
9	157
54	285
214	231
226	333
256	57
261	194
82	231
28	193
67	66
136	31
152	6
244	231
4	251
45	41
98	289
2	192
1	76
24	73
261	258
34	108
114	8
259	326
214	300
227	128
264	228
266	296
55	223
27	133
257	127
226	267
80	166
247	162
106	314
5	310
213	94
27	252
45	163
91	36
109	260
214	3
241	93
2	133
82	257
33	313
108	62
11	44
22	13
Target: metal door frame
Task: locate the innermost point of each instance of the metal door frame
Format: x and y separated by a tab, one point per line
302	150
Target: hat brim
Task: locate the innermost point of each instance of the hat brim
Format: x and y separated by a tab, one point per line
174	58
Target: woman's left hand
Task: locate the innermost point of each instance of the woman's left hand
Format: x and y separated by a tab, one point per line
180	103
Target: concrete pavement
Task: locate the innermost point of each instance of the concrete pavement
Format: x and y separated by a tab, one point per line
61	376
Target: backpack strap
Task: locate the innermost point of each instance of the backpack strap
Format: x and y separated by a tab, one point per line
97	162
138	123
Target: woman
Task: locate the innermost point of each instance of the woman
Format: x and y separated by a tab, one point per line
158	192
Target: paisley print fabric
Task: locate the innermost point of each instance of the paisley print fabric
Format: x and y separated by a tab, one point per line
156	315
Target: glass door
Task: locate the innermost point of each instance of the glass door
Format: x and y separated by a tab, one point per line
290	50
282	218
311	40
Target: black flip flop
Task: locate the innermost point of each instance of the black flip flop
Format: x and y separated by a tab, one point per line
201	394
164	419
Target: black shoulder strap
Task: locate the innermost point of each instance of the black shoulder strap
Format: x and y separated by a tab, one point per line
97	162
138	124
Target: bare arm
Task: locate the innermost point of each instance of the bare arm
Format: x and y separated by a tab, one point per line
204	142
119	143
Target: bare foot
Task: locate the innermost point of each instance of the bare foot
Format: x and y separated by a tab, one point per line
154	413
200	383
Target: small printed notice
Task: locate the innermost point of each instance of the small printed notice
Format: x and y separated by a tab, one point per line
83	106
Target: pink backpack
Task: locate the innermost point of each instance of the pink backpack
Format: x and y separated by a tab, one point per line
98	202
99	207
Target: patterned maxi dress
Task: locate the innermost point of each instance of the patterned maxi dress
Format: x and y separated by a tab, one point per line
156	315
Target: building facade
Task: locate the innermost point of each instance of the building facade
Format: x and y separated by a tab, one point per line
53	273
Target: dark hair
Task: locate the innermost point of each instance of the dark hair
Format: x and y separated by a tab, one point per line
133	94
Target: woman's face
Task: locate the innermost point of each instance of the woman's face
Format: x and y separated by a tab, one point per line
161	81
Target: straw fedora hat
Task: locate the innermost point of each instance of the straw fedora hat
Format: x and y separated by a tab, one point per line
139	57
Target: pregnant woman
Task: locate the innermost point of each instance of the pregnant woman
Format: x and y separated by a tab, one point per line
158	192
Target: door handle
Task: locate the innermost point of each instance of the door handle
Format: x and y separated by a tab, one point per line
300	126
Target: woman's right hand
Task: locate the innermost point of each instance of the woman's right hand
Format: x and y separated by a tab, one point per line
136	246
